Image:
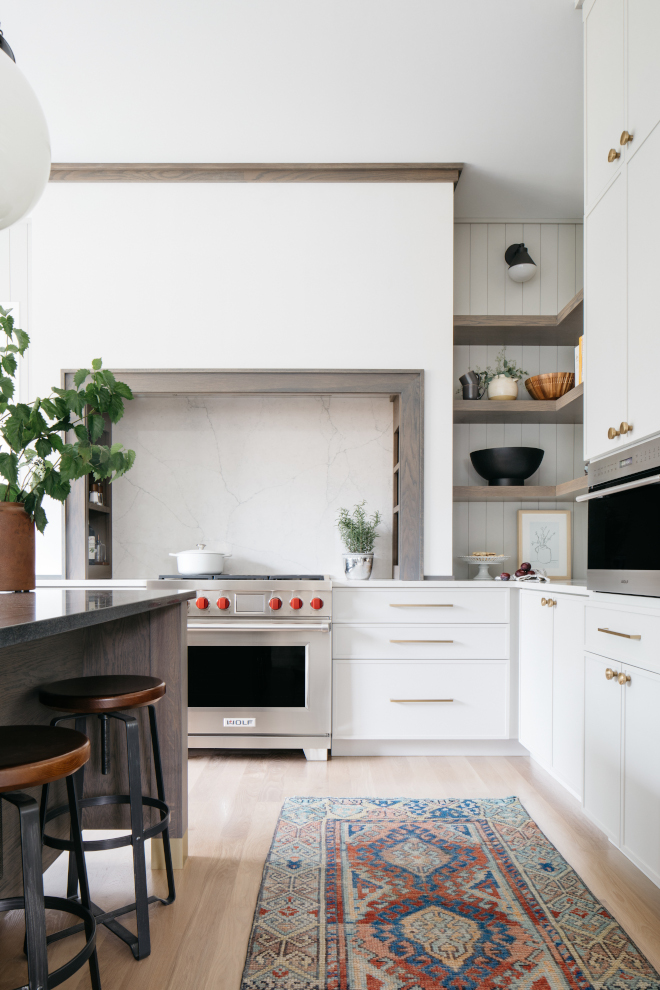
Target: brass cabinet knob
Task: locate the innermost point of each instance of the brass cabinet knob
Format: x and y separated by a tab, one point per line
544	601
613	154
611	674
625	138
625	428
552	601
624	679
612	433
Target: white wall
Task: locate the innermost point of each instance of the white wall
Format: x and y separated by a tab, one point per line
254	276
482	285
496	84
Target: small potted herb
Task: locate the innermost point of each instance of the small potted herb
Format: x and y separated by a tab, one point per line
358	534
501	382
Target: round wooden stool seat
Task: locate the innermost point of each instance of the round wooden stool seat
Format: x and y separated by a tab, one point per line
96	695
33	755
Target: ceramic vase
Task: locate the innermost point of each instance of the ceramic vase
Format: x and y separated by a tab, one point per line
502	387
17	548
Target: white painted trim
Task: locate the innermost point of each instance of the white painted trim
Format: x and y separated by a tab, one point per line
427	747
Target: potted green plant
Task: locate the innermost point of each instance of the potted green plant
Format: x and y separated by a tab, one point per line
500	382
37	458
358	534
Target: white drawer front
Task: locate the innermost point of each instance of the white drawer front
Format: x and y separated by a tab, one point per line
423	643
637	642
416	606
398	701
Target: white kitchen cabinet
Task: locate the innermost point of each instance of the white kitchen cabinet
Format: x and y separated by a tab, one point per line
602	745
420	701
643	267
604	93
551	682
643	31
640	838
535	724
606	356
568	691
622	758
424	664
622	210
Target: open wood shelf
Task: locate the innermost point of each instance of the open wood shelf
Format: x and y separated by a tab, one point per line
567	409
565	492
563	329
95	507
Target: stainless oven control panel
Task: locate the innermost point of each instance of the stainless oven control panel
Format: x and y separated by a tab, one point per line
645	456
270	602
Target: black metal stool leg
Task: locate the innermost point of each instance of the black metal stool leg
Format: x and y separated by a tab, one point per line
158	767
137	830
79	783
33	889
81	871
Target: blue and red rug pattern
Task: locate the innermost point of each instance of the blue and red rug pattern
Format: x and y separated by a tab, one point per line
398	894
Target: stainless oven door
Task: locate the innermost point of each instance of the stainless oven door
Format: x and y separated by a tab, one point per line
624	536
259	678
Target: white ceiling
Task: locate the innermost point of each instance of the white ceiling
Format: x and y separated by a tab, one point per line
496	84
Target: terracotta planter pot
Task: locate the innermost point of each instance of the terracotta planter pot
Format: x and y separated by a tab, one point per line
16	548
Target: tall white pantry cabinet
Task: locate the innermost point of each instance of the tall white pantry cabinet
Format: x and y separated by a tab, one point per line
622	219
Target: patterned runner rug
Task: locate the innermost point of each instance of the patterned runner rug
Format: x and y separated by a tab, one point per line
397	894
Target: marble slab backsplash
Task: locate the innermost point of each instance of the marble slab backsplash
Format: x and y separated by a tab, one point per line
260	477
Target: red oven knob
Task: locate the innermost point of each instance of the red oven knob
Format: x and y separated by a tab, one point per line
296	603
223	604
275	603
316	603
202	603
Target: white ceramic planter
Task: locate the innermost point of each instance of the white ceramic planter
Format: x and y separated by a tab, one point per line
504	388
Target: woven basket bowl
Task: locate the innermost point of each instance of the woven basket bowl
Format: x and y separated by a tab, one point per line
550	386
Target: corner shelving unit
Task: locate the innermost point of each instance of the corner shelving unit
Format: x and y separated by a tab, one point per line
564	329
81	513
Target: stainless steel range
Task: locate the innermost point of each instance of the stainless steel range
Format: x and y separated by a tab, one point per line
259	662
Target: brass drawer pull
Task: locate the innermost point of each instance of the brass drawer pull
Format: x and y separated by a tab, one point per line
611	674
613	154
420	701
624	679
425	605
421	641
610	632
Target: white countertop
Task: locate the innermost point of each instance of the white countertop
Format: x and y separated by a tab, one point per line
555	587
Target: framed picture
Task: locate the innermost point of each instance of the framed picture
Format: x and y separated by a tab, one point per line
544	539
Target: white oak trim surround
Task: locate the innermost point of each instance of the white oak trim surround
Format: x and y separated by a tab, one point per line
264	172
407	385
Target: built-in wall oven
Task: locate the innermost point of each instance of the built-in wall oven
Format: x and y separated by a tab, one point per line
623	554
260	663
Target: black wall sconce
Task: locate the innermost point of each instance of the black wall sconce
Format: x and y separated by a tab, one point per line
521	266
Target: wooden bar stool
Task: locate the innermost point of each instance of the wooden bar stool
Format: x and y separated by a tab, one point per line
32	756
109	697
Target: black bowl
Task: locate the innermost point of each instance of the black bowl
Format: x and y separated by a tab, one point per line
506	465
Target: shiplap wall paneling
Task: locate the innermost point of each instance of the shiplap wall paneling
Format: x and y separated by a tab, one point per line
481	283
493	526
534	360
562	443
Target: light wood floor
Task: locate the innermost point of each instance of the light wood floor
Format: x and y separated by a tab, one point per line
200	941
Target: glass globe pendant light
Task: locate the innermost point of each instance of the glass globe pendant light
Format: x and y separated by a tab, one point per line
24	142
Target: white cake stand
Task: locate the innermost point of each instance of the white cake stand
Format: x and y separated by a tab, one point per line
484	563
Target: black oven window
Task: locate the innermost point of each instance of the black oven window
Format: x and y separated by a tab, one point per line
624	530
246	676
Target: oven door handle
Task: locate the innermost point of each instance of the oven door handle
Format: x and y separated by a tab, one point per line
653	480
211	626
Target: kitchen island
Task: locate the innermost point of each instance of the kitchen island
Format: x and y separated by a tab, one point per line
51	634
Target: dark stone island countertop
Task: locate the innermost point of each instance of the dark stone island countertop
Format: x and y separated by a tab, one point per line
49	611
